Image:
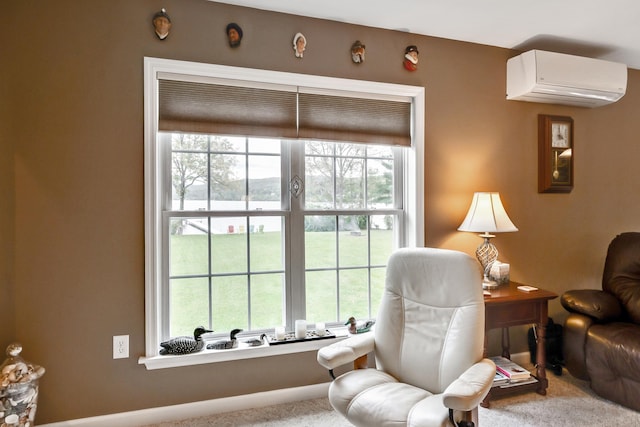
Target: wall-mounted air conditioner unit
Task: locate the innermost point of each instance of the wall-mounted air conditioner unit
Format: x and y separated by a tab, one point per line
557	78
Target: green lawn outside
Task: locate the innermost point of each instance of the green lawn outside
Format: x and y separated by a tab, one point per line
230	295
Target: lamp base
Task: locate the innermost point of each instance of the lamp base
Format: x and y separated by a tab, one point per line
489	284
487	254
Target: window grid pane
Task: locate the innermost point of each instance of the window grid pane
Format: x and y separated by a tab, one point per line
321	295
343	267
189	306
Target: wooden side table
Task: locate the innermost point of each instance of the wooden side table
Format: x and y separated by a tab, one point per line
507	306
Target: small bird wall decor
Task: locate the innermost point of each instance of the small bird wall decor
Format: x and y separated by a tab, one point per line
184	344
232	342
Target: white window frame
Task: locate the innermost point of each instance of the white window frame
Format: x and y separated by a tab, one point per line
413	188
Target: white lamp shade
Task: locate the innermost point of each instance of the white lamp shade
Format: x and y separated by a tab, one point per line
487	215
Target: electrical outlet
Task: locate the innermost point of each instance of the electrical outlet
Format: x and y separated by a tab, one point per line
120	346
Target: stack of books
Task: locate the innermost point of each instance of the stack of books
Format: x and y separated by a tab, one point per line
510	374
500	379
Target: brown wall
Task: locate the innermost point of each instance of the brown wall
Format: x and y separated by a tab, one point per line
71	216
7	206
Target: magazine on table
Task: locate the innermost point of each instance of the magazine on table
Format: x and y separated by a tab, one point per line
510	369
516	383
500	379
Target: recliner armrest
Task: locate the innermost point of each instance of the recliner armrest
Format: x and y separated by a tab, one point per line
594	303
348	350
471	387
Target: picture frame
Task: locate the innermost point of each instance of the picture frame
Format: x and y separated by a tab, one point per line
555	154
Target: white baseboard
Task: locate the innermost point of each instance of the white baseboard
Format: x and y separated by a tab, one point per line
214	406
198	409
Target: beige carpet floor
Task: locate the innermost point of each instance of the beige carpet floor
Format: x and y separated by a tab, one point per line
569	402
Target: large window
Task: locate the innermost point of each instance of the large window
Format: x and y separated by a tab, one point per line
255	219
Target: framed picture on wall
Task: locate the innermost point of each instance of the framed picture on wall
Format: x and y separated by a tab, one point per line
555	154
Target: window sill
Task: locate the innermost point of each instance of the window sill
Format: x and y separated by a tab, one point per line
242	352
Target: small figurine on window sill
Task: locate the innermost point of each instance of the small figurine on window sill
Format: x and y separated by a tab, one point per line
226	344
234	34
411	58
185	345
359	327
256	342
162	24
299	44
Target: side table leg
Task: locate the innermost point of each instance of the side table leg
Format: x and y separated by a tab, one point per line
505	343
487	399
541	356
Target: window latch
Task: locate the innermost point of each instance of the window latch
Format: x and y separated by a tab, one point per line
296	186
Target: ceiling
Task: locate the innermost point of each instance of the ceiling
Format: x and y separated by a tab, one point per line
593	28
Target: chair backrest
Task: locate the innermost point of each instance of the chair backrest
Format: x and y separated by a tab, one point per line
430	325
621	275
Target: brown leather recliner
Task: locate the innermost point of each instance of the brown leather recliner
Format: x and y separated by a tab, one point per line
602	332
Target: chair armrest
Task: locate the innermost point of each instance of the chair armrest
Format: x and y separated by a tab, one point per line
345	351
574	338
471	387
594	303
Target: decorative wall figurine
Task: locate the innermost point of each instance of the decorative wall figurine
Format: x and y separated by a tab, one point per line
234	34
357	52
162	24
411	58
299	44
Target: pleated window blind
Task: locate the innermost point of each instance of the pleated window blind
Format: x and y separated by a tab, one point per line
228	110
346	118
241	108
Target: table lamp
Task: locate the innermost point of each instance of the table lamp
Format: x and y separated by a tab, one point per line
487	215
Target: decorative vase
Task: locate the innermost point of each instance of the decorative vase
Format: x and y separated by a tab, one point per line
18	389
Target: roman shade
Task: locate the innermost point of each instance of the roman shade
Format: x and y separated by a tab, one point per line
354	119
234	107
186	106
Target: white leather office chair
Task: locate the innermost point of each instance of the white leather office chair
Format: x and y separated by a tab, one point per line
428	343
